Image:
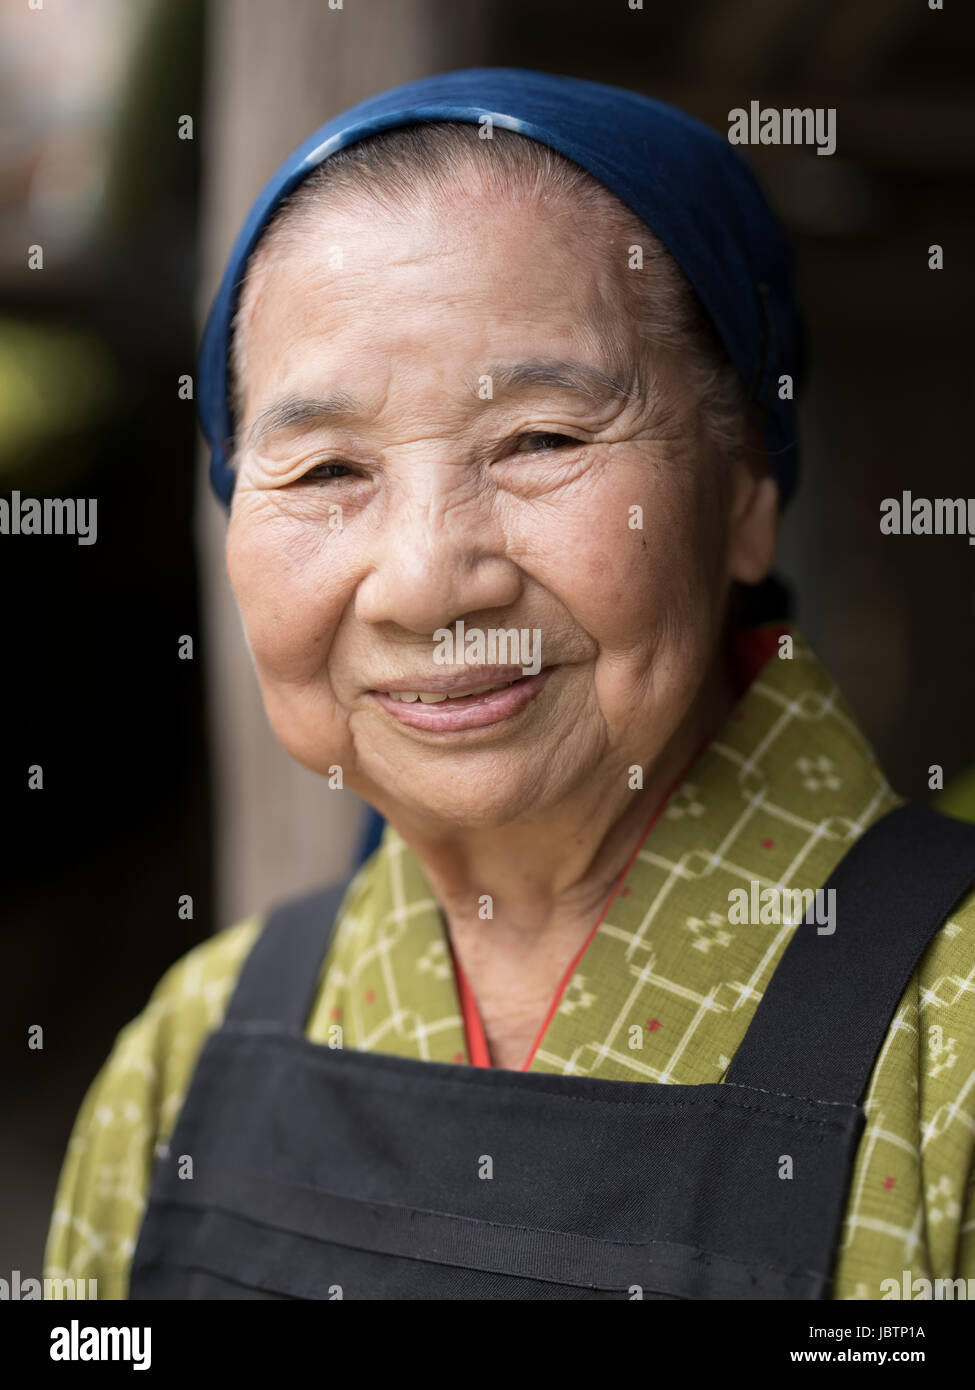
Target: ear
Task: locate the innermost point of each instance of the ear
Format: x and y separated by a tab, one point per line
754	529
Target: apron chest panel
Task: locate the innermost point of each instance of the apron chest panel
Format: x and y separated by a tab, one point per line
364	1173
319	1173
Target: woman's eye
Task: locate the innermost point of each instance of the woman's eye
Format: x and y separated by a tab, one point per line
543	443
323	472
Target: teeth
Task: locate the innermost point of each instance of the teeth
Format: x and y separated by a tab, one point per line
409	697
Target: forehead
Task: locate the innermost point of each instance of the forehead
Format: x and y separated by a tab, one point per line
437	284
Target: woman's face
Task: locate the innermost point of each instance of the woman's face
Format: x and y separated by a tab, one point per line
431	434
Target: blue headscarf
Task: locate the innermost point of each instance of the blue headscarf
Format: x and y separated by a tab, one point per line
681	178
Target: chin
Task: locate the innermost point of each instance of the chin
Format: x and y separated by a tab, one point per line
451	812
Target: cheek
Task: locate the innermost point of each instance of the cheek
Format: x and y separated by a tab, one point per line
288	583
633	560
646	585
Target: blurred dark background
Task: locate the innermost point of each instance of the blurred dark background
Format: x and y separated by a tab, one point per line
152	764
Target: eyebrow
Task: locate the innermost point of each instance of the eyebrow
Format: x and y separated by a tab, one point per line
295	411
554	372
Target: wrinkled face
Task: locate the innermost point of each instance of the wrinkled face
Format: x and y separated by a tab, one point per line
450	419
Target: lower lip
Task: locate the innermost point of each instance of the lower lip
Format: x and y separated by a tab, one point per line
473	712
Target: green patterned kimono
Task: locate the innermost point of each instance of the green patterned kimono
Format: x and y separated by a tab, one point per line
662	993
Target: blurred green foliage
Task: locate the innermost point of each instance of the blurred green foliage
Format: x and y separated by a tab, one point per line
56	382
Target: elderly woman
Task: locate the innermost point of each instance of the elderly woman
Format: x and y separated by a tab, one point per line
652	988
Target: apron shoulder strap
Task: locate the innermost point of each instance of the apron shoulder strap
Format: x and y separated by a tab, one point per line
822	1020
279	978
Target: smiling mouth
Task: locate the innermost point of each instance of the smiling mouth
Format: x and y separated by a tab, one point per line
460	704
427	697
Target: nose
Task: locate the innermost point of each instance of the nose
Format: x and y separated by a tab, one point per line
437	557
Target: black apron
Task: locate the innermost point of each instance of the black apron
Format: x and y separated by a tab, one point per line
320	1173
